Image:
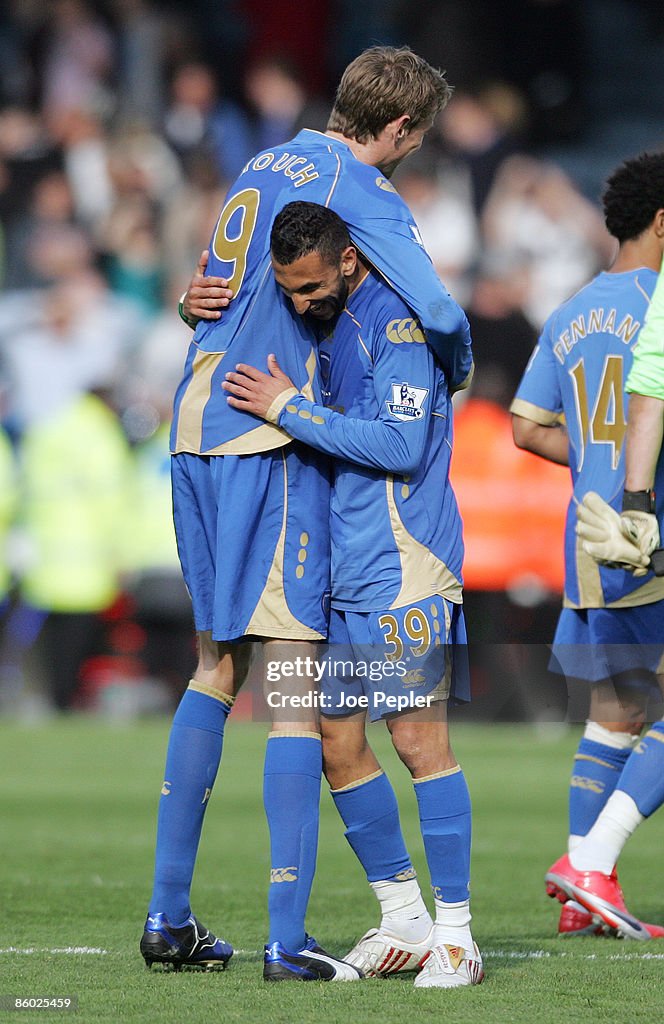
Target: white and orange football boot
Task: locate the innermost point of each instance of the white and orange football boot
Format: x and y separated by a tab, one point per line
451	966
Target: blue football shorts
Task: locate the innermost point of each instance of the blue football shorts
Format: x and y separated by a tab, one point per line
395	661
600	643
253	539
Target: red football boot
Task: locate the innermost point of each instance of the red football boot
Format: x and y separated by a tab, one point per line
575	920
602	897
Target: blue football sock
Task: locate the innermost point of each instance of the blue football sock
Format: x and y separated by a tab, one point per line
595	774
445	821
192	760
291	794
371	815
643	776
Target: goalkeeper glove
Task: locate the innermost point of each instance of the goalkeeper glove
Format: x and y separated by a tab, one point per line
604	537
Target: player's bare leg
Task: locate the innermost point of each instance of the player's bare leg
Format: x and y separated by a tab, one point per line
421	739
347	755
296	710
222	666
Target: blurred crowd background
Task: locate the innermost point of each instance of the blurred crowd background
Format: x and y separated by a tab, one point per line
121	124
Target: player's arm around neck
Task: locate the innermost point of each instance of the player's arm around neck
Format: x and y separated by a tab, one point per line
550	442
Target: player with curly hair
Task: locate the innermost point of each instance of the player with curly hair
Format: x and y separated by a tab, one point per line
610	629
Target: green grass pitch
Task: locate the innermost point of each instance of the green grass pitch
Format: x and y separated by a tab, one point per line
77	812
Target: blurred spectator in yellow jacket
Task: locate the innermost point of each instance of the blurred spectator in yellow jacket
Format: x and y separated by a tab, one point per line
76	469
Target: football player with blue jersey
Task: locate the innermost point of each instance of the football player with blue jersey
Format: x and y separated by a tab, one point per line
248	501
610	630
397	551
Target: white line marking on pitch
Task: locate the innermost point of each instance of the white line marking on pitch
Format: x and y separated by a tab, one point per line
543	954
88	951
488	954
69	950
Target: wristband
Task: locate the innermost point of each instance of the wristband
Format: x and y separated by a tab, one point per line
657	561
183	316
639	501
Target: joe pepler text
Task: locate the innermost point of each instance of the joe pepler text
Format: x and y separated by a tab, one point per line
349	701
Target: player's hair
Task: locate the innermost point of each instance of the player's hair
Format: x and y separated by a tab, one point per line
301	228
633	195
382	84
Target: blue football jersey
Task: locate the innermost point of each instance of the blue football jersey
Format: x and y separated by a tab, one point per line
316	168
578	371
395	525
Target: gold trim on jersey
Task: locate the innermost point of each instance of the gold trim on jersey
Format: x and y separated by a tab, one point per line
467	380
652	734
536	413
418	563
591	594
651	591
266	437
359	325
274	412
647	297
442	690
336	179
366	350
263	438
197	395
272	617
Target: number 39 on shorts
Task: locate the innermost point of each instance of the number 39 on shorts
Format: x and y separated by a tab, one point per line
416	627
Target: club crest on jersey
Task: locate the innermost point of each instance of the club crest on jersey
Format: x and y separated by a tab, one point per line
407	402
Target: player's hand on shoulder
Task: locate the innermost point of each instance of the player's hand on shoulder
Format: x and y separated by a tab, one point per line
206	296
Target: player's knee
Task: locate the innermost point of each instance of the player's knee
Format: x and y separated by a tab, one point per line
341	750
222	666
619	707
421	751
